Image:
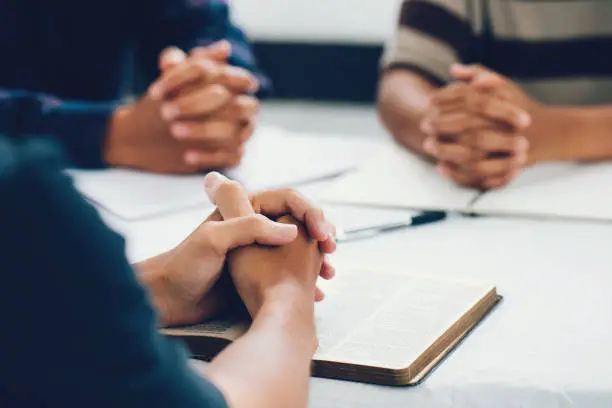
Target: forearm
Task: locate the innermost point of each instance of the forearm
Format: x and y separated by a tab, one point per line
573	134
78	126
270	366
403	101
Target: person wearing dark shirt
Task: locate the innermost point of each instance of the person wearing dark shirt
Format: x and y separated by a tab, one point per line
69	65
77	328
486	88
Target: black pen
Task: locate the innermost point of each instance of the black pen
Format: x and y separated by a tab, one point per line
428	217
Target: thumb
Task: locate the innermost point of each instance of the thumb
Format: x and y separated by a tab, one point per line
478	75
464	72
219	51
243	231
171	57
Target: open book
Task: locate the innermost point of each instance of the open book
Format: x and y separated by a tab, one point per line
384	329
275	158
399	179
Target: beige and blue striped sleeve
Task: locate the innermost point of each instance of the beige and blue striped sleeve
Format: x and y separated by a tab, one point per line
430	36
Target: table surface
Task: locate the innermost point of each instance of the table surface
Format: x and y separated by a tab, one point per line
547	345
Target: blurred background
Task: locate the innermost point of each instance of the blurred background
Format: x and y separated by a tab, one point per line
322	57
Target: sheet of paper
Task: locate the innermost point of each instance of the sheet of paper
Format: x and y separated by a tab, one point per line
397	178
564	190
275	158
388	322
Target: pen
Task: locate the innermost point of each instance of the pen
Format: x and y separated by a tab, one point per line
368	232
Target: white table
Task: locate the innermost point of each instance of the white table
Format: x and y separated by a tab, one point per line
549	343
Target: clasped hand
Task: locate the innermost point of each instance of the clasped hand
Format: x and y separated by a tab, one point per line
196	116
184	281
476	128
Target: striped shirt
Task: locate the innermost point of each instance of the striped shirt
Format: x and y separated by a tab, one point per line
559	51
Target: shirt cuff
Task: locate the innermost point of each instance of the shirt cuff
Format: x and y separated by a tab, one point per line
81	128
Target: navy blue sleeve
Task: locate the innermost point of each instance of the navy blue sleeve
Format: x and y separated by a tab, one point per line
79	127
77	328
187	24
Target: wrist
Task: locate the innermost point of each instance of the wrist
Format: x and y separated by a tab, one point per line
151	275
121	124
290	307
546	135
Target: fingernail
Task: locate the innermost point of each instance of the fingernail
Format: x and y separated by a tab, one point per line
169	111
156	91
192	158
429	146
442	170
236	72
224	45
460	67
253	87
174	56
331	271
426	127
212	181
521	158
524	120
327	229
180	131
522	144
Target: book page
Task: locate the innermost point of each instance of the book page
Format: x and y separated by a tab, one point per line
397	178
388	320
274	159
561	191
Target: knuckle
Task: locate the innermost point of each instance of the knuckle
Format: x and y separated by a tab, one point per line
257	222
315	213
210	237
202	66
218	91
485	104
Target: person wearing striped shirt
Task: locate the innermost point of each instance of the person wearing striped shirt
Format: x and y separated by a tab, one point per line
487	87
69	65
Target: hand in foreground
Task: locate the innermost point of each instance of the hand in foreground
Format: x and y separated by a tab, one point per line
183	281
144	135
476	129
258	271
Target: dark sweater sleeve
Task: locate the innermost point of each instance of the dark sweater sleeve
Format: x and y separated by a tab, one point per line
77	328
187	24
79	127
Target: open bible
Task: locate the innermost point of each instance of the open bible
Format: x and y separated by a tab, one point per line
390	329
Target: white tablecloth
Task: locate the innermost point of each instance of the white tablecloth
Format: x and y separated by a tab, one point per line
547	345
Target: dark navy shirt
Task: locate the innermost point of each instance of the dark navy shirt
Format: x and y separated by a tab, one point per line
67	63
77	328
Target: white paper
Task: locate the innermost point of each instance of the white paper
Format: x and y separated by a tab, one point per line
562	191
397	178
274	159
